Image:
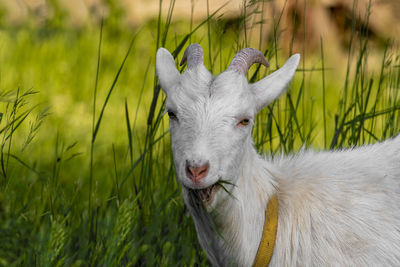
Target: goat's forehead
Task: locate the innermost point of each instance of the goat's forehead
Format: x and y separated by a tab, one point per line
227	93
229	84
224	85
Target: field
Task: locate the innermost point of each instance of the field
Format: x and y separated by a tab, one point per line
86	175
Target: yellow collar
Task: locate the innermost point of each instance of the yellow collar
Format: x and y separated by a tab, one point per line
268	238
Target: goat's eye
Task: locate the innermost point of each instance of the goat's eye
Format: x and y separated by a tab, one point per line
172	115
243	122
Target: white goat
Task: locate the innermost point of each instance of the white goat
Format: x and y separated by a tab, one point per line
336	208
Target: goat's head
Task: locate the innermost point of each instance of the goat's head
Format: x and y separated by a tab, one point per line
211	117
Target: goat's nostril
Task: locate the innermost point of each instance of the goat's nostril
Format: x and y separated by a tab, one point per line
197	173
189	172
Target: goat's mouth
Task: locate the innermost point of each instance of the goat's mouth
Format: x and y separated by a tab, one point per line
205	195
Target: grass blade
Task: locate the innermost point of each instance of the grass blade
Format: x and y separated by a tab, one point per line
96	129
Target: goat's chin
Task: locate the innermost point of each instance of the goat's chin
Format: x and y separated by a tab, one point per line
206	195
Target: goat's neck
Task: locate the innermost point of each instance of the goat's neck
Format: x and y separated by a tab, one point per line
240	218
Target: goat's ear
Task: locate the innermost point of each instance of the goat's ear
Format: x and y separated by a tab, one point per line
166	70
272	86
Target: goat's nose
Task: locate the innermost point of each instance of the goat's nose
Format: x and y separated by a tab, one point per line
196	173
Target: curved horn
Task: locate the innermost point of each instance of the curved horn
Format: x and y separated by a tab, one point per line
193	55
245	58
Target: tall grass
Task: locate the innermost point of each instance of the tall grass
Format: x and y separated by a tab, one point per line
97	187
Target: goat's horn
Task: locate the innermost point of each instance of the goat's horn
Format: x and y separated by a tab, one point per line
193	55
245	58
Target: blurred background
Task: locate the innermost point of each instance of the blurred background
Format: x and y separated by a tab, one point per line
86	176
329	19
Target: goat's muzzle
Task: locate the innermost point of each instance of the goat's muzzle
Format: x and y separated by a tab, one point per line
196	173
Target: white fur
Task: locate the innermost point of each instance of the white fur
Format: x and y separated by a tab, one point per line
336	208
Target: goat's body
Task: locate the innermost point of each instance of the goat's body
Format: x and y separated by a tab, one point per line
337	208
340	208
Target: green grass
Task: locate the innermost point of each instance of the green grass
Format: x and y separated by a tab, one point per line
86	171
